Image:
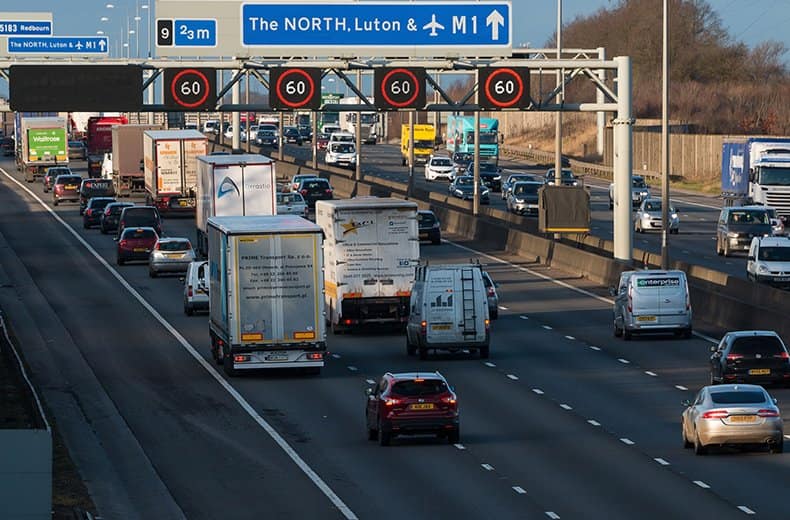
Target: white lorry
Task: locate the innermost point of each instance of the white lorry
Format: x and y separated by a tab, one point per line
371	248
170	168
233	185
266	307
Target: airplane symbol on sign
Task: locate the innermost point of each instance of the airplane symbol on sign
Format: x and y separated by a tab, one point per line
433	25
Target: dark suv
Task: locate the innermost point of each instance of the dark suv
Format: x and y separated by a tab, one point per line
412	403
315	189
738	225
94	209
140	216
94	188
429	226
112	213
750	356
66	188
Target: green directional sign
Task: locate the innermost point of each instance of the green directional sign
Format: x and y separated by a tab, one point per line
47	143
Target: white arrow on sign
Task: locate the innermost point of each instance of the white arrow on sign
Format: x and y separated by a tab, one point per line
495	20
102	45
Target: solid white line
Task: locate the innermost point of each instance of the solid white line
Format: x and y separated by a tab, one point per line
511	376
593	422
625	440
460	446
624	361
489	364
538	391
651	374
271	431
524	317
370	381
661	461
570	337
565	406
520	490
487	467
352	368
746	510
701	484
547	327
552	515
681	387
595	348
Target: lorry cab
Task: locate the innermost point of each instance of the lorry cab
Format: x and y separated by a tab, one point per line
652	301
448	310
424	143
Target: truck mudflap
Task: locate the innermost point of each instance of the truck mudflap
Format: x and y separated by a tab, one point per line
172	204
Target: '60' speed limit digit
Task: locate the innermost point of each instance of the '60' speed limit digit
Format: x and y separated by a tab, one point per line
295	88
193	89
503	88
399	88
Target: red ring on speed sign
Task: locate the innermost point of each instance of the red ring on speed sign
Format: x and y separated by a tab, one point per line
205	85
307	97
411	99
515	99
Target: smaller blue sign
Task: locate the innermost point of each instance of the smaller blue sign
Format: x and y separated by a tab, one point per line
58	45
195	33
25	28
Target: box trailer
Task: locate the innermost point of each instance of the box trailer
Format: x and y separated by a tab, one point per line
170	168
126	160
44	143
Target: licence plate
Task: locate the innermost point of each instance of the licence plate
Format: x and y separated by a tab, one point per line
173	255
71	187
421	406
782	279
139	250
183	203
277	356
440	326
760	372
742	418
645	318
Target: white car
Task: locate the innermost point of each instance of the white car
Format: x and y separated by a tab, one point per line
341	154
438	168
291	204
196	287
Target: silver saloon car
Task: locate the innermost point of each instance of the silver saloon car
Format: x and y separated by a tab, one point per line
170	255
732	414
649	217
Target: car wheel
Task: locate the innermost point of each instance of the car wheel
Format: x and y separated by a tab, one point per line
699	449
776	447
410	349
454	435
611	204
484	352
719	250
436	241
85	225
54	202
119	261
687	333
373	434
626	334
384	437
423	353
617	331
686	443
726	249
216	352
188	310
152	273
713	381
103	231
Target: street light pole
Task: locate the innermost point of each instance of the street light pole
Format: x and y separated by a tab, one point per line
665	144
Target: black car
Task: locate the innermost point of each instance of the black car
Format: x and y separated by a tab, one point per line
490	175
140	216
567	178
429	226
306	132
750	356
460	163
266	138
7	146
90	188
463	187
315	189
110	216
94	208
291	135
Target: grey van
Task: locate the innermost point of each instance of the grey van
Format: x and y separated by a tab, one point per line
738	225
652	301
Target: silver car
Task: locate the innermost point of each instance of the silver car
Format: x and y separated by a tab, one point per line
170	255
291	204
648	217
732	414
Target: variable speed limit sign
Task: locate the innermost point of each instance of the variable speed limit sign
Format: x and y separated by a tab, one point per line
295	88
399	88
190	89
501	88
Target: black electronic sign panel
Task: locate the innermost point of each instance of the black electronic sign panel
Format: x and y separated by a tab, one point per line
190	89
76	88
501	88
399	88
295	88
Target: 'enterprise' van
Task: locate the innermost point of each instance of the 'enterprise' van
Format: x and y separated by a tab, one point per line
652	301
448	310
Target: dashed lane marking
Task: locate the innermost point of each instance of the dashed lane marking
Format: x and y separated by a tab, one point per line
502	308
547	327
624	361
513	377
595	348
352	368
552	515
538	391
625	440
370	381
520	490
701	484
681	387
524	317
489	364
570	338
336	356
593	422
565	406
651	374
661	461
487	467
746	510
460	446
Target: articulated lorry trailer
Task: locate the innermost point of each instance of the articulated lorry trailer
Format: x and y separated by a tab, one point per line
370	250
266	305
126	160
100	139
233	186
758	169
41	142
170	168
461	136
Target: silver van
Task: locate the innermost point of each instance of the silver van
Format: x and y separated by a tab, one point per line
448	310
652	301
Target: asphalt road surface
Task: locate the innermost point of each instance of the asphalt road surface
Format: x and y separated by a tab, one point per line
564	421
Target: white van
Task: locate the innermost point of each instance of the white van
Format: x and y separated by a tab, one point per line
769	261
652	301
341	137
448	310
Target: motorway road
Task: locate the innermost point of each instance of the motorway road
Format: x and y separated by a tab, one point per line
564	421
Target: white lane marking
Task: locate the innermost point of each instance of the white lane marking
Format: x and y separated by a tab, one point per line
524	317
460	446
552	515
538	391
787	436
352	368
554	281
624	361
651	374
511	376
487	467
370	381
547	327
502	308
246	406
746	510
701	484
520	490
336	356
565	406
489	364
570	337
661	461
593	422
625	440
681	387
595	348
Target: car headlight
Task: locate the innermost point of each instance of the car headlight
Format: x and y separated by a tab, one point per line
519	201
732	234
575	183
674	215
643	193
645	215
762	268
497	177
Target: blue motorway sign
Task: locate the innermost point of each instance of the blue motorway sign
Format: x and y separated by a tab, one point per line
195	33
58	45
462	25
25	28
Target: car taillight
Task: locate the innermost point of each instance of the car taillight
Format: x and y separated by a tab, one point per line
89	212
123	243
303	192
391	401
189	291
783	355
423	327
715	414
329	191
767	412
107	212
158	246
491	291
315	356
732	357
449	399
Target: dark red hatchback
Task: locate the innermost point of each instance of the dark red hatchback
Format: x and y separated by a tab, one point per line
136	243
412	403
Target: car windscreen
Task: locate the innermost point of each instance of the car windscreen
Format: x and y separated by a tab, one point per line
99	203
342	148
525	189
426	219
740	397
71	179
315	185
138	234
441	162
116	209
175	245
289	198
416	388
774	254
751	346
464	181
749	216
132	217
638	183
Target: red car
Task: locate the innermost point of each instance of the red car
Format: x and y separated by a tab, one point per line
412	403
322	141
66	188
136	243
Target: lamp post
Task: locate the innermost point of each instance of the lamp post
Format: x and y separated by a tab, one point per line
148	31
665	143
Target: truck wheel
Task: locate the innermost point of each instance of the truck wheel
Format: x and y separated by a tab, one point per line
626	334
384	437
484	352
54	202
611	204
423	353
227	365
726	249
410	349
